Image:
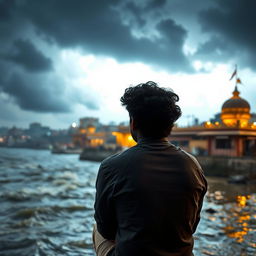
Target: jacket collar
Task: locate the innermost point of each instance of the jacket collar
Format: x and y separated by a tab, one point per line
152	141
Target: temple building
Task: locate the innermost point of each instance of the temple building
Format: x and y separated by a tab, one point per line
234	135
235	111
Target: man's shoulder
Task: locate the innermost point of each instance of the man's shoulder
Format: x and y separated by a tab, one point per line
191	159
119	158
197	169
184	156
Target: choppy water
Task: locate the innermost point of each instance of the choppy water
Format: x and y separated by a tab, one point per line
46	208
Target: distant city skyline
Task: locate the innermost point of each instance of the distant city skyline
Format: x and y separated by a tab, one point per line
64	60
70	125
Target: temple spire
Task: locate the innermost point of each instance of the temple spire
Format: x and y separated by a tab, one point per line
237	79
236	93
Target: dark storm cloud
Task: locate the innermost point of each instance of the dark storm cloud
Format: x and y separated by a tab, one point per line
28	56
216	48
89	102
5	9
31	94
149	31
96	26
167	29
156	4
232	26
27	72
41	93
141	10
135	14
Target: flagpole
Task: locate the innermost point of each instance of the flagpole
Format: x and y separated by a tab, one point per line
236	78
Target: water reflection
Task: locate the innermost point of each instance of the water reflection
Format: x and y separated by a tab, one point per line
228	224
243	222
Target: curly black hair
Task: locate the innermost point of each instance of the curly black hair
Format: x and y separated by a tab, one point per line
153	108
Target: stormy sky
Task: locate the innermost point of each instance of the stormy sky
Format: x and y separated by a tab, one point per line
61	60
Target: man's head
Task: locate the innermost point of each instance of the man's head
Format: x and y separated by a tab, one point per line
152	110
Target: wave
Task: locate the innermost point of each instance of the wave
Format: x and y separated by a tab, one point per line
32	212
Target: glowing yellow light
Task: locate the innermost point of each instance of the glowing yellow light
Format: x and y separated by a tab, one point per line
83	131
130	138
239	235
244	124
91	129
208	124
241	200
217	123
124	139
97	142
243	218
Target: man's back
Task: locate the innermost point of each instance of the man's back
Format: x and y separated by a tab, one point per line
149	199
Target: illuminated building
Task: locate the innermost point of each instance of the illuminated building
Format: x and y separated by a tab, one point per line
236	111
234	135
86	135
90	133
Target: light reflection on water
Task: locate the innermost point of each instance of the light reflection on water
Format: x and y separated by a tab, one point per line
46	208
228	223
242	226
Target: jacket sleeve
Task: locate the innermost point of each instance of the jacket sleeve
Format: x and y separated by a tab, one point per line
105	216
200	204
201	199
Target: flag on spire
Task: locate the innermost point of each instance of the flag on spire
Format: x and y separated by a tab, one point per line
234	73
238	81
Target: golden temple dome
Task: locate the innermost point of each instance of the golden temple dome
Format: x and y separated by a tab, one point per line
235	111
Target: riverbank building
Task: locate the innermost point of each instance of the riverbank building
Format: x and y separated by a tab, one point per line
233	134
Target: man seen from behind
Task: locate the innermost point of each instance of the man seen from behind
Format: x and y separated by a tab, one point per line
149	197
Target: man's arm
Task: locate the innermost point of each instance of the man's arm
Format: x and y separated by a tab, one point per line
200	204
201	199
104	204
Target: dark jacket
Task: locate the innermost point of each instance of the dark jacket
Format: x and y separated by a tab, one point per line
149	199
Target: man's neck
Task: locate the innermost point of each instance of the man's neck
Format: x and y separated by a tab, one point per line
143	138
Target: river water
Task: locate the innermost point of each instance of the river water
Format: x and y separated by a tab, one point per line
46	208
